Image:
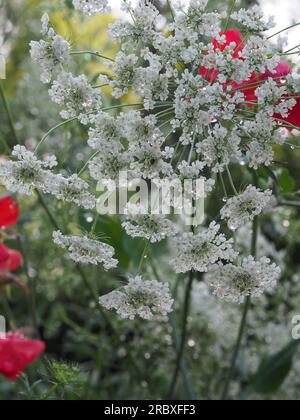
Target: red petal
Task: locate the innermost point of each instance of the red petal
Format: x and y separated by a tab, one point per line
9	212
232	35
294	115
10	260
16	353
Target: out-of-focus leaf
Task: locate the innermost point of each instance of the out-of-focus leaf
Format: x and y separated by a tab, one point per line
287	183
274	370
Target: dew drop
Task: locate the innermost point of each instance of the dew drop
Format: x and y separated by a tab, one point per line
225	200
292	147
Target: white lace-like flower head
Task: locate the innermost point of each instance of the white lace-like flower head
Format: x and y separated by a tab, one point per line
86	251
149	300
235	283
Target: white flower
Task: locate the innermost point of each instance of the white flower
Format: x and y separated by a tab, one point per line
141	29
91	7
199	251
271	97
27	172
253	19
220	148
70	190
106	134
140	224
76	96
251	279
241	209
86	251
50	55
149	300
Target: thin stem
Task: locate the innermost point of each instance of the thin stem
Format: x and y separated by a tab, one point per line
232	7
180	354
51	391
88	285
171	9
143	256
9	115
176	341
223	185
237	349
231	181
122	106
47	210
32	287
95	53
243	324
52	130
8	312
290	203
285	29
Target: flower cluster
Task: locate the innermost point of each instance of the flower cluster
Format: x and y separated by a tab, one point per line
141	224
76	96
209	99
50	55
251	279
199	251
243	208
28	173
91	7
150	300
86	251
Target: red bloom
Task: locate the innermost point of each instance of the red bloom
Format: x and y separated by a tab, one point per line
9	212
16	353
10	260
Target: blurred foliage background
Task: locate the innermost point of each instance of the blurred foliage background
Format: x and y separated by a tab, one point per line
92	355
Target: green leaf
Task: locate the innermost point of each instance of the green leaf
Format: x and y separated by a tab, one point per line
287	183
274	370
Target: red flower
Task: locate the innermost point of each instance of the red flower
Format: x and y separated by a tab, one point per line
10	260
16	353
9	212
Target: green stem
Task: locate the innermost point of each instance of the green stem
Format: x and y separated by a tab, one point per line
231	9
32	287
54	129
8	312
143	256
9	115
51	391
171	9
243	324
176	341
180	353
289	203
88	285
231	181
95	53
285	29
